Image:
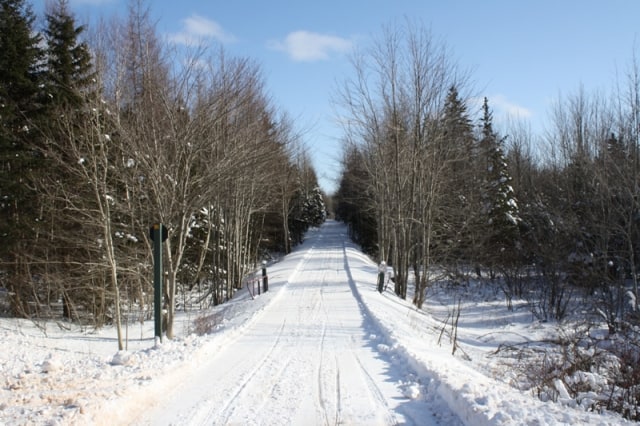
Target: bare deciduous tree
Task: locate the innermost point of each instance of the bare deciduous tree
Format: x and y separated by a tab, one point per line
392	106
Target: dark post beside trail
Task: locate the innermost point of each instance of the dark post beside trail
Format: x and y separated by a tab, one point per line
382	271
158	234
265	279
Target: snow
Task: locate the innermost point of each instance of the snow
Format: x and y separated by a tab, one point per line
322	346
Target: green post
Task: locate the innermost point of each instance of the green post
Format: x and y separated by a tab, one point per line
265	279
158	236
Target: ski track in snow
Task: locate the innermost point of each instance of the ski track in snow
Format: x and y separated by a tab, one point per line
308	359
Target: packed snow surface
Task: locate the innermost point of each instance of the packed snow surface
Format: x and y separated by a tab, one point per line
321	347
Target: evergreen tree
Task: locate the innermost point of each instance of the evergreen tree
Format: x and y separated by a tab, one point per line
299	217
457	129
20	82
68	82
20	61
314	211
499	202
20	58
70	69
457	206
307	203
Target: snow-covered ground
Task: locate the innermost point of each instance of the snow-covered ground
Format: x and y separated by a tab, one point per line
321	347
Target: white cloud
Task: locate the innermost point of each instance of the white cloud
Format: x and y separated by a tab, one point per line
306	46
501	108
91	2
502	104
197	28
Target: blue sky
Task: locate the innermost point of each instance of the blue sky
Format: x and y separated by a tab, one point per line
521	53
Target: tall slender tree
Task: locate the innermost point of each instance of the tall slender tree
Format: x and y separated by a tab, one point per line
69	65
499	202
20	106
69	86
458	147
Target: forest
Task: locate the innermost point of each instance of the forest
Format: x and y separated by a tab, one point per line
432	187
107	131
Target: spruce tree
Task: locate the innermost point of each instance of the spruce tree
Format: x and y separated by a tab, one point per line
69	66
457	129
457	141
315	211
20	61
68	83
20	106
20	79
499	201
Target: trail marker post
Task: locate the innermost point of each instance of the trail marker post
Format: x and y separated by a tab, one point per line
158	234
382	271
265	279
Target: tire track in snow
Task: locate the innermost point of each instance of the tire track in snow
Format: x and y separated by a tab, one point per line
328	265
281	356
338	399
319	370
322	367
317	315
376	392
228	407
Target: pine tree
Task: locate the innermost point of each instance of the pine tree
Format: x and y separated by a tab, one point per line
70	69
68	83
315	211
20	76
499	201
20	61
457	129
457	150
20	106
307	206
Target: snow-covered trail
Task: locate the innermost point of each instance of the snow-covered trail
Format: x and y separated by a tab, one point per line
310	358
321	347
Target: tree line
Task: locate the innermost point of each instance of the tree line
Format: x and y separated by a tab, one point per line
106	131
430	186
